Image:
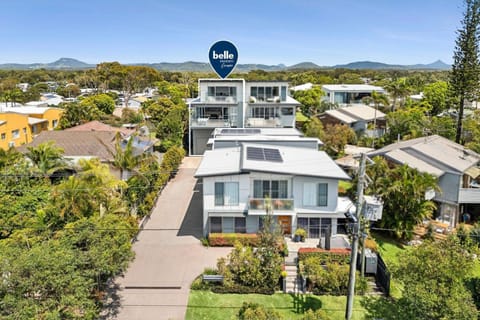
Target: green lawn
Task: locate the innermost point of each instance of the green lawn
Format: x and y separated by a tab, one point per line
212	306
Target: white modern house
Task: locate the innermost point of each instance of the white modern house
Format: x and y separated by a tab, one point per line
456	168
300	183
236	103
347	94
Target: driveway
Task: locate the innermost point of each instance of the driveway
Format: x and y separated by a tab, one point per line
168	255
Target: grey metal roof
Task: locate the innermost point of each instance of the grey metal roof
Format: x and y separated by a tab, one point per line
436	151
352	87
296	161
355	113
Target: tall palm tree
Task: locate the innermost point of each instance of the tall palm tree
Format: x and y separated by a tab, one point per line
397	89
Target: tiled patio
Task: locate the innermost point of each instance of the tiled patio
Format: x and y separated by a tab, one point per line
338	241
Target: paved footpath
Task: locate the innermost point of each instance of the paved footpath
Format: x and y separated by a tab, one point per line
168	255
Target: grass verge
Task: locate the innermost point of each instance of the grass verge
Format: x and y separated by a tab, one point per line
213	306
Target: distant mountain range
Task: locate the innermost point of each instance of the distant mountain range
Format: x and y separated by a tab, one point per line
73	64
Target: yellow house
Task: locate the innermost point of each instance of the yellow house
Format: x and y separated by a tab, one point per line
52	115
19	125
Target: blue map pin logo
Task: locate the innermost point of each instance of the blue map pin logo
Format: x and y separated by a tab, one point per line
223	57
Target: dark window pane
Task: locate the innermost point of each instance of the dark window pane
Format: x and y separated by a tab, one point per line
322	200
219	194
215	224
240	225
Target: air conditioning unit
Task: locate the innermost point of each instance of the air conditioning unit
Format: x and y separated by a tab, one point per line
11	144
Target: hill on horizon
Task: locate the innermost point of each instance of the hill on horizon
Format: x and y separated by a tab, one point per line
74	64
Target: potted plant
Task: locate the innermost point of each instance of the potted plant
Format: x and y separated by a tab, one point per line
300	235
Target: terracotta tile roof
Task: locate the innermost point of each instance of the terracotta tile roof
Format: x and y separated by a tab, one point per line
78	143
99	126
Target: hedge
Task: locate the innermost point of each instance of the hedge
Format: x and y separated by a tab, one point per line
341	256
229	239
235	288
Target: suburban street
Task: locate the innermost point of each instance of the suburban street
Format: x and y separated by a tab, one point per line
168	255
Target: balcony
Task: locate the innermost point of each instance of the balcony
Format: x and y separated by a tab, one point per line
263	123
469	195
259	204
221	99
213	123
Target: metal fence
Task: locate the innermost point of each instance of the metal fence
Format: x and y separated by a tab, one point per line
383	275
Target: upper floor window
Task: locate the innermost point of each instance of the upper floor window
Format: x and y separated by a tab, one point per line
269	94
275	189
222	91
226	193
15	134
315	194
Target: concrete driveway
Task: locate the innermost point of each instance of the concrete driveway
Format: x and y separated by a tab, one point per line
168	255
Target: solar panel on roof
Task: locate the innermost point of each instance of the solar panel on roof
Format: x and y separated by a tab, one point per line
264	154
272	155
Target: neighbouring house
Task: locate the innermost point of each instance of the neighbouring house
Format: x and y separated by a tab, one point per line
96	125
288	137
301	184
345	94
302	87
90	144
236	103
364	120
456	168
350	162
20	124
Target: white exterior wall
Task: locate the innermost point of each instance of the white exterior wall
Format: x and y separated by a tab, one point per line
245	182
205	83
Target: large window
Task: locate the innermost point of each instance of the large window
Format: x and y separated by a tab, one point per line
269	94
275	189
239	224
226	193
315	195
315	227
222	92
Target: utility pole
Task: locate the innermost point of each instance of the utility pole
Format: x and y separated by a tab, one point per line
356	229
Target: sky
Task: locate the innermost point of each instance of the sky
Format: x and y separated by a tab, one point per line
264	31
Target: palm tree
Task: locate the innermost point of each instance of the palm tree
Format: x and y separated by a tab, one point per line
397	89
377	99
47	158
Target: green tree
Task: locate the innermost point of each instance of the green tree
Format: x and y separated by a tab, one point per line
433	277
76	114
314	128
102	102
398	90
435	95
394	186
310	100
465	75
335	138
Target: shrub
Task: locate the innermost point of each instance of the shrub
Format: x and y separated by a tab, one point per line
318	314
236	288
229	239
331	279
342	256
254	311
371	244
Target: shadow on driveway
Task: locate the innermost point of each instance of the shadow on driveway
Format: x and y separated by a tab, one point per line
193	220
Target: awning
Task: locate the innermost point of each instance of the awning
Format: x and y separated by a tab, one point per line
473	172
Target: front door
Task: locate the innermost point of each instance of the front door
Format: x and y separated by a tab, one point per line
285	223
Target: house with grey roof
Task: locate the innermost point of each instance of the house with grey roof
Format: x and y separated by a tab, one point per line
301	184
456	167
236	103
362	119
